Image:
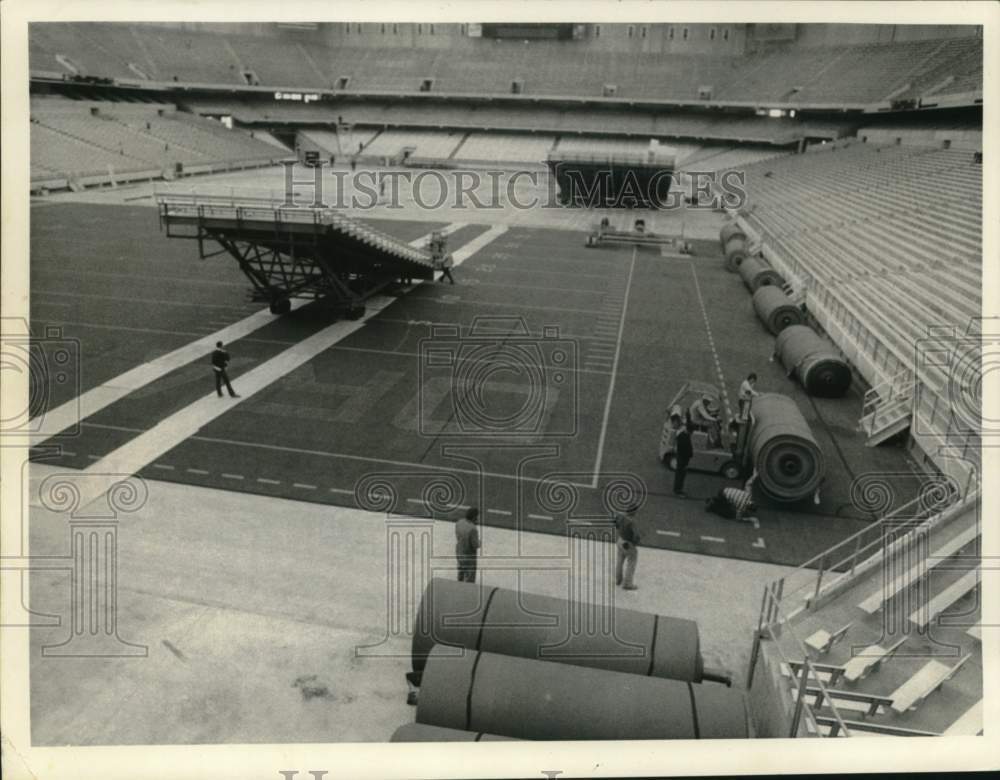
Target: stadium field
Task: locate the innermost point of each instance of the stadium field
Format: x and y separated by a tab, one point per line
606	337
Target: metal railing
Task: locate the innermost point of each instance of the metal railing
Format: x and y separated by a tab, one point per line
806	681
857	553
895	394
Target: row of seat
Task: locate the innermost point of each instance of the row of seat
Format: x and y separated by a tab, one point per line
854	74
880	685
78	143
536	118
895	231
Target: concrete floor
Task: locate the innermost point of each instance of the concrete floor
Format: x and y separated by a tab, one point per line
252	610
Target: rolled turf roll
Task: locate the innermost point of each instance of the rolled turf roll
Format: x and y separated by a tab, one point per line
788	460
756	274
735	252
729	230
420	732
813	360
497	620
526	699
775	309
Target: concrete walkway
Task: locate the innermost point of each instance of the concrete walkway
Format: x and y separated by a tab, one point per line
252	610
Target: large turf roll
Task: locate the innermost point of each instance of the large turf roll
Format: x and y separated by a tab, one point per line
735	251
756	274
775	309
729	230
788	460
525	699
420	732
497	620
813	360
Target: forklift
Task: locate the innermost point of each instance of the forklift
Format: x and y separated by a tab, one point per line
716	451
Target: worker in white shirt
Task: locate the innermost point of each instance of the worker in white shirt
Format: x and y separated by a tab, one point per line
747	394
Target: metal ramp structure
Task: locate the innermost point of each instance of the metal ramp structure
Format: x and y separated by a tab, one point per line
295	251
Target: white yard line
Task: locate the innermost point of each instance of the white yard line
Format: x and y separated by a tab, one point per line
614	376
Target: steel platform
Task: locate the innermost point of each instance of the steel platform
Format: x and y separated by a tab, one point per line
293	251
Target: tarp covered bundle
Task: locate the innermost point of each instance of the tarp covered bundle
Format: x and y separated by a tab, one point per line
788	460
813	360
528	625
734	245
527	699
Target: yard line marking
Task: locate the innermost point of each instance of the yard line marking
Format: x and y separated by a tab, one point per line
711	344
233	476
303	485
197	471
540	517
366	459
614	375
267	481
95	399
94	457
416	501
759	543
341	490
499	512
68	454
163	466
130	299
669	533
711	539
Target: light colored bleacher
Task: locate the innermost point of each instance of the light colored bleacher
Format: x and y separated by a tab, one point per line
893	231
506	147
887	674
848	74
429	144
926	681
94	139
882	594
58	152
325	139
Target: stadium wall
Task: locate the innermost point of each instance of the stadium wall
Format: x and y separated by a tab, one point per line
624	37
954	139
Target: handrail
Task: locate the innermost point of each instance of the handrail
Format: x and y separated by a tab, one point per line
847	556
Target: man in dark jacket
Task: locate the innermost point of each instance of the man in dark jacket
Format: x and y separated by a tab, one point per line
628	548
467	545
220	360
682	457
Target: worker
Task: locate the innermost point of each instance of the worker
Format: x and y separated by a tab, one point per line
220	362
627	541
734	503
676	420
702	415
467	545
682	457
747	394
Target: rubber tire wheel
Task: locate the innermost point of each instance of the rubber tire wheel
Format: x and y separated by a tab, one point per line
282	306
670	461
730	470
